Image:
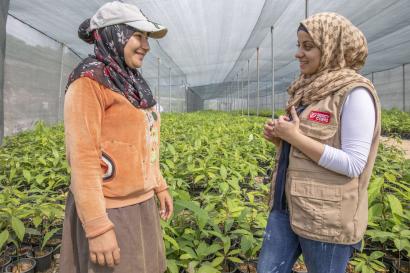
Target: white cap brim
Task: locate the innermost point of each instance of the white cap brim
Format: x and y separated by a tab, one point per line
155	30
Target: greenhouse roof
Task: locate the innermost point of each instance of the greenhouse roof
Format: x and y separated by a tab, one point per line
210	42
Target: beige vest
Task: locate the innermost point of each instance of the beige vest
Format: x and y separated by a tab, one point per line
323	205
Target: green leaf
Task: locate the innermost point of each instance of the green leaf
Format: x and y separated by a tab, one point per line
56	154
378	266
405	233
250	138
207	269
27	175
37	221
234	252
202	249
235	260
171	149
395	205
376	255
375	188
201	214
191	266
18	227
228	224
185	256
172	266
375	211
224	187
367	269
4	236
172	241
217	261
227	244
33	231
48	236
223	172
399	244
390	177
199	178
246	243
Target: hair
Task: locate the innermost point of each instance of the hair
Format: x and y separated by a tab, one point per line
302	28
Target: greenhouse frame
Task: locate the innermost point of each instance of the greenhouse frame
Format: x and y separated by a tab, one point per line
219	74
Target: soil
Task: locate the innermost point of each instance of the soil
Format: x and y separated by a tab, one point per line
21	267
54	242
3	261
40	253
247	268
405	144
259	179
349	268
299	267
404	266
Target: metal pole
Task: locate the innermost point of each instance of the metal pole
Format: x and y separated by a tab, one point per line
404	89
184	102
237	85
306	8
247	103
170	89
273	73
4	8
372	77
60	94
242	91
158	94
226	98
186	97
231	94
257	78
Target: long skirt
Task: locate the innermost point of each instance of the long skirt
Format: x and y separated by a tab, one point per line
139	236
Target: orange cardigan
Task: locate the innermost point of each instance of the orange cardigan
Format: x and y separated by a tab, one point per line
113	151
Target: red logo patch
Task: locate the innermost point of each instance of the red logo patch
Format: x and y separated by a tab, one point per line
321	117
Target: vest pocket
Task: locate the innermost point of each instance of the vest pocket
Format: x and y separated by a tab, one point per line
297	153
316	207
318	131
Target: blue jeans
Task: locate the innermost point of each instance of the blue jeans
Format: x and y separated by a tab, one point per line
281	248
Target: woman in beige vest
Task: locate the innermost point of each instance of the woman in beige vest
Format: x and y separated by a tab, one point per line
326	148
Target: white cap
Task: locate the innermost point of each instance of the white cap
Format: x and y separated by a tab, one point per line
117	12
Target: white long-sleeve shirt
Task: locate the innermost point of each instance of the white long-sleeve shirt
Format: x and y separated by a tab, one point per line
357	127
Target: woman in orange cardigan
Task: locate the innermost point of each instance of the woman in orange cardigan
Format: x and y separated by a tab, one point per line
112	139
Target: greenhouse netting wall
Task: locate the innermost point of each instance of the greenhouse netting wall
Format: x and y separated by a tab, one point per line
36	72
4	7
386	30
37	69
393	87
192	68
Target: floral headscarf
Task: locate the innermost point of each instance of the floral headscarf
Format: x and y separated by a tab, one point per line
108	66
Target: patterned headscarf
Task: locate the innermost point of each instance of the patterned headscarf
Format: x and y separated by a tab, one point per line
108	66
343	50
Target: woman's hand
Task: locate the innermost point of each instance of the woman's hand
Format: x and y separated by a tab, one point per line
104	249
269	134
166	204
286	129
